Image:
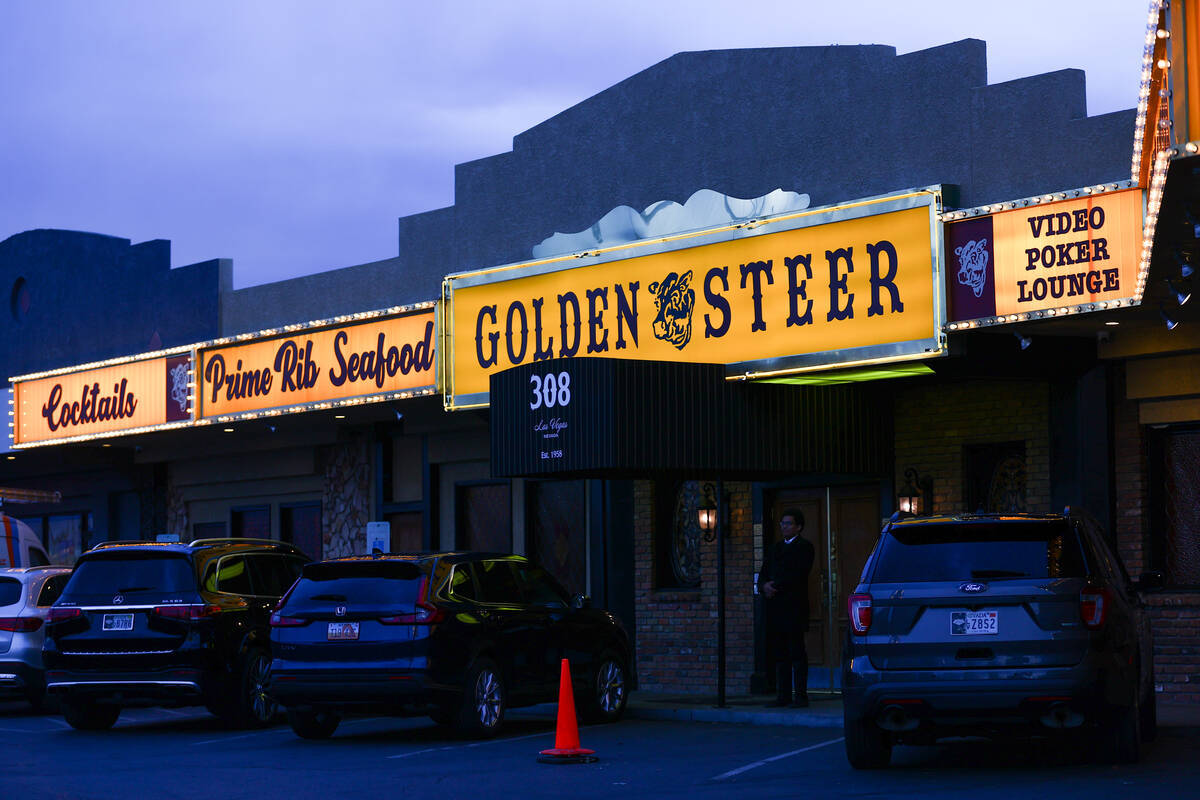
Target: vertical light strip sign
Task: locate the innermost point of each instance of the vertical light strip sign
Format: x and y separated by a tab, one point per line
113	398
841	285
1047	258
352	360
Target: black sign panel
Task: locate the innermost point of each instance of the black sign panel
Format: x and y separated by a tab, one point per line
602	417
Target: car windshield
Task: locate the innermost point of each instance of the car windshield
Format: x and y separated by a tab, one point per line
131	575
984	551
384	584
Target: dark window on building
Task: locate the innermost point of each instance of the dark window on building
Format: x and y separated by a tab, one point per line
1174	496
557	525
300	524
483	516
407	531
994	477
209	530
66	537
253	523
677	534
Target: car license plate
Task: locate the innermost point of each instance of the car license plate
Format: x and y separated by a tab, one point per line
974	623
118	622
342	630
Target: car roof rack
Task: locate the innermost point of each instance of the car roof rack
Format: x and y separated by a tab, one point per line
241	540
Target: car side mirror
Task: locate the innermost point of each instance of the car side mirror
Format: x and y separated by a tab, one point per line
581	601
1150	581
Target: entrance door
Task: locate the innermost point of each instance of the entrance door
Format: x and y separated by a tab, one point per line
842	524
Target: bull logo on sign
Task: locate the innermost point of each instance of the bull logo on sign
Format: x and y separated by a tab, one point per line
972	265
674	299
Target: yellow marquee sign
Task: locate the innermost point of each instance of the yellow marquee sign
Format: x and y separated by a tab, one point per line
363	359
840	285
136	395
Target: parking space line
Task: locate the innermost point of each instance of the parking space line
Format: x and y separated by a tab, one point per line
765	761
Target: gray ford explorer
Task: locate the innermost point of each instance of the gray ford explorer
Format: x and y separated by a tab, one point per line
989	624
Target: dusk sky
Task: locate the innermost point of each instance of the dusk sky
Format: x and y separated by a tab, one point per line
288	135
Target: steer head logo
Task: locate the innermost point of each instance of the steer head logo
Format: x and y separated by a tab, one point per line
674	299
972	265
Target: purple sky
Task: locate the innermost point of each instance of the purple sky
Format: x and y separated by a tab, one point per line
289	135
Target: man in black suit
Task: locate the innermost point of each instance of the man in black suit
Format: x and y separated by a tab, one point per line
783	581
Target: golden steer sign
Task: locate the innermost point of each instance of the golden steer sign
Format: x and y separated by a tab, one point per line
330	364
839	291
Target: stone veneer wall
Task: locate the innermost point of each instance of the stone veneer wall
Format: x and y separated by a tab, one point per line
934	421
677	628
1175	616
345	504
177	512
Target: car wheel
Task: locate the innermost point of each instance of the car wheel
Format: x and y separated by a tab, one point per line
259	709
250	706
83	715
313	724
483	702
1149	716
1122	737
607	690
36	698
867	745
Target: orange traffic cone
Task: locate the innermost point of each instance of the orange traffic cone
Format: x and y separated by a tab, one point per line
566	748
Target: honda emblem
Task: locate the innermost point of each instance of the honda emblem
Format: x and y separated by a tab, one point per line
340	611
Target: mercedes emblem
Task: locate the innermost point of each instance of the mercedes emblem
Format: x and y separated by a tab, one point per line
118	599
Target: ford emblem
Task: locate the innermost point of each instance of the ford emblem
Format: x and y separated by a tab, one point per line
340	611
972	588
118	599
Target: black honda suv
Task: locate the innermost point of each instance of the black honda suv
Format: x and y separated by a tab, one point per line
987	624
159	624
460	637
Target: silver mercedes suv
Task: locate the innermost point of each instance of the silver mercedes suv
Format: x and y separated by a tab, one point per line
990	624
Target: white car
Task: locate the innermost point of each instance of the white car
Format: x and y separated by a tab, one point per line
19	545
26	594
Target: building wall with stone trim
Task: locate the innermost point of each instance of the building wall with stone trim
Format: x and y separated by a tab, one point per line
346	503
1174	615
934	422
677	628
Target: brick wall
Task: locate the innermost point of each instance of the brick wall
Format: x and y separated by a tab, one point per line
677	629
934	421
1175	616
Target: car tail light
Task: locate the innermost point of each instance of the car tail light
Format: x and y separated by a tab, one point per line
860	613
1093	606
280	621
190	612
62	614
424	612
20	624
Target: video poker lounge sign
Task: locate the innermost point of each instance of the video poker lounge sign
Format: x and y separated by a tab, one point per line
137	395
1051	255
843	284
362	359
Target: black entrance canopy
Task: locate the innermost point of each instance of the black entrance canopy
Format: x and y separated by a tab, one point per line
620	418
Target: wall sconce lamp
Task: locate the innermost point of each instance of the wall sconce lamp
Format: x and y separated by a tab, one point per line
917	495
707	511
1171	324
1185	267
1182	294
